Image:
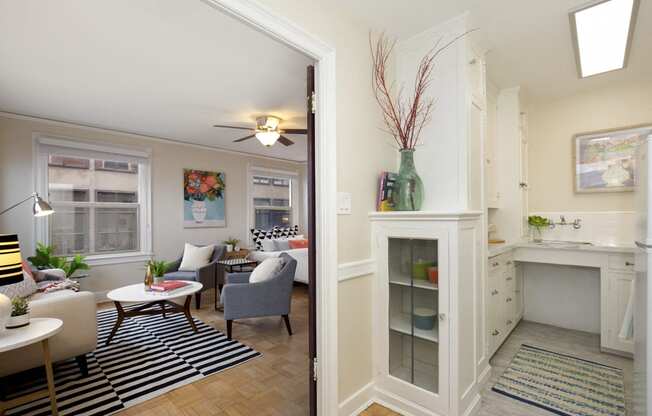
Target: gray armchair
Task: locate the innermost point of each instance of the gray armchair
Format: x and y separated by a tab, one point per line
204	275
272	297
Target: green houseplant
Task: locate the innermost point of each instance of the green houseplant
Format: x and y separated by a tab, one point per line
158	269
44	258
537	223
19	313
231	243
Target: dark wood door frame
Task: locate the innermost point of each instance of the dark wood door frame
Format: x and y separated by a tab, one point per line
312	237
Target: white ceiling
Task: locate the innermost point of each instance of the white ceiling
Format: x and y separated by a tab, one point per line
529	41
165	68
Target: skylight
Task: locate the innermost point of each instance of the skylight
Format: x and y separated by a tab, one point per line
602	35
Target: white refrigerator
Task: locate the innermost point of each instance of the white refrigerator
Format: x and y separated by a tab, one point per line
642	320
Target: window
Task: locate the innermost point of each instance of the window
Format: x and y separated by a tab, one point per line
100	200
272	201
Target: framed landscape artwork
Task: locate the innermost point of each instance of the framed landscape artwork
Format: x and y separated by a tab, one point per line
606	161
203	199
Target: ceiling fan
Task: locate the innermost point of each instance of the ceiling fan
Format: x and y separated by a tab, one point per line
267	131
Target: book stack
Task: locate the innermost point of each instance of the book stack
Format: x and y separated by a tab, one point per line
386	185
169	286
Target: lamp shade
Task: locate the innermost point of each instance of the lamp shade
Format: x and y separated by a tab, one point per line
40	207
11	267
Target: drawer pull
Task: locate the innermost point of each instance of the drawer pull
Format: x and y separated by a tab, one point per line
494	292
629	263
494	264
509	279
495	333
508	300
509	262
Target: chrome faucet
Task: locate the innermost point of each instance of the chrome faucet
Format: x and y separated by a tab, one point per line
577	224
562	220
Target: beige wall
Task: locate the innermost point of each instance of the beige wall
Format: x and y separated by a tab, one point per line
168	162
362	152
551	128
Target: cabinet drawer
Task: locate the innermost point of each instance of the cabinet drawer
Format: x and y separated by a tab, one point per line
624	262
505	259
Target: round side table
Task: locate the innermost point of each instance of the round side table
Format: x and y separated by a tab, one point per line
38	330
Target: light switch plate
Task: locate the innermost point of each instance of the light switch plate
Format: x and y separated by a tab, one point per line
343	203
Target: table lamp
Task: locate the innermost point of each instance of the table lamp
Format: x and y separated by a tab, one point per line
11	271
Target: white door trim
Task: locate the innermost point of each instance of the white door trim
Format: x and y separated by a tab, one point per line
281	28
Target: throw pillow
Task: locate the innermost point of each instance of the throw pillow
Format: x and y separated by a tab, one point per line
23	289
258	236
298	244
281	244
195	257
268	245
280	232
266	270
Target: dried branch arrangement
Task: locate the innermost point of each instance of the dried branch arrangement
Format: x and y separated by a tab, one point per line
404	116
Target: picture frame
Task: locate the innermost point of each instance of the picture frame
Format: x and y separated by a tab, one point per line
605	161
203	199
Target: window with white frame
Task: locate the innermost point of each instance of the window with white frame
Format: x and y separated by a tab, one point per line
100	198
272	199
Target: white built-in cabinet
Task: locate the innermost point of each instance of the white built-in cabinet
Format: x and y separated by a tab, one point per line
504	298
616	289
428	311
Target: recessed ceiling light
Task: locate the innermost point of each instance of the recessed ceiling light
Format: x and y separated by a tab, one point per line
602	35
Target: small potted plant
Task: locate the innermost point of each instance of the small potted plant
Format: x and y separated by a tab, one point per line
158	269
19	313
231	244
537	223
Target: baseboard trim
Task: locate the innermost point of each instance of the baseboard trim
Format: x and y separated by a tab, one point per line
354	269
400	405
358	401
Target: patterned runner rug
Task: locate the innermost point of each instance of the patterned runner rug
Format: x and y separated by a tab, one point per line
562	384
149	356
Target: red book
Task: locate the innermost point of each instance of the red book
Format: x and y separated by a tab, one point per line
169	285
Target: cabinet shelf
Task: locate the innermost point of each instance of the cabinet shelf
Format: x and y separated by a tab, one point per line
402	280
402	323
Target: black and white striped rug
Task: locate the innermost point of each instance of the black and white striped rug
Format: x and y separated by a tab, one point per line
149	356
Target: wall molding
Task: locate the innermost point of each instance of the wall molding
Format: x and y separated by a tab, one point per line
355	269
358	401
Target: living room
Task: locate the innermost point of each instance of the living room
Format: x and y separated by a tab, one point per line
135	181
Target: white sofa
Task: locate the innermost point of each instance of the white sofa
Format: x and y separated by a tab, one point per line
299	254
77	310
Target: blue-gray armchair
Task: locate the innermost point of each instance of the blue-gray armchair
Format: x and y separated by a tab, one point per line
271	297
204	275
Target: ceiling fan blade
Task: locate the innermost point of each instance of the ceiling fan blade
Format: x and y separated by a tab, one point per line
232	127
284	140
244	138
295	131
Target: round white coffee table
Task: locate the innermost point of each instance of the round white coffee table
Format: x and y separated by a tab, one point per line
137	294
38	330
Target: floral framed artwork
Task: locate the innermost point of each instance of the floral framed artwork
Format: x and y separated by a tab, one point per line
605	161
203	199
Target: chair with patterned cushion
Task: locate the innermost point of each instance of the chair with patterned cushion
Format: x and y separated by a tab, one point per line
204	275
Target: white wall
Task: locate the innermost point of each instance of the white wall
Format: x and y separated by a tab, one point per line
168	162
552	125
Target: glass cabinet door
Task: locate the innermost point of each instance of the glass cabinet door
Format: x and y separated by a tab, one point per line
413	312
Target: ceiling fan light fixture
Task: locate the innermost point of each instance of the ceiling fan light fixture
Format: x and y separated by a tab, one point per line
267	138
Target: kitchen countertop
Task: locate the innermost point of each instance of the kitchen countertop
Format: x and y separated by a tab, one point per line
497	249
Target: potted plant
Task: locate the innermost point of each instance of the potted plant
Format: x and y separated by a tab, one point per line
231	244
44	258
19	313
158	269
404	115
537	223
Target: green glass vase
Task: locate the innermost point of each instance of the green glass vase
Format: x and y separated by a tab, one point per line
409	195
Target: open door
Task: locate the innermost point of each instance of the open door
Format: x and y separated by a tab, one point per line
312	240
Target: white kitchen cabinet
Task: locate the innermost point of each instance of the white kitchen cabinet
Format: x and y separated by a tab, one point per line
504	299
428	341
620	277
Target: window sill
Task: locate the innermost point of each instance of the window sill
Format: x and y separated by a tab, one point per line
122	258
